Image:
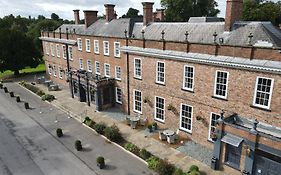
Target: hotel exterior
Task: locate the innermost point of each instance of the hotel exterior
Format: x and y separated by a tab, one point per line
214	81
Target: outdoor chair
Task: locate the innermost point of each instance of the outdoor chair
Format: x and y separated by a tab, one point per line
171	139
162	136
133	124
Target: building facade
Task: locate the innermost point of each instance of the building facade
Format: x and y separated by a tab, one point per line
217	83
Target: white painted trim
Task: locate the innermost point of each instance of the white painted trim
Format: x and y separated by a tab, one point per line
136	76
60	73
157	119
81	65
70	56
191	119
89	61
96	62
270	95
183	82
88	44
118	56
47	48
210	124
116	73
106	64
79	44
54	70
104	44
160	82
134	109
52	49
96	43
215	85
116	95
58	50
63	47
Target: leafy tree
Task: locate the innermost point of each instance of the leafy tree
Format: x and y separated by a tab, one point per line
256	10
182	10
132	13
55	17
17	51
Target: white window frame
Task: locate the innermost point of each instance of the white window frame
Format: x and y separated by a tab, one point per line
89	66
47	48
79	44
104	48
135	69
70	53
97	65
60	72
155	110
210	125
58	50
160	82
116	95
54	70
107	71
118	73
117	50
191	118
96	47
215	85
140	102
88	45
63	51
81	66
187	77
52	49
50	68
65	74
270	93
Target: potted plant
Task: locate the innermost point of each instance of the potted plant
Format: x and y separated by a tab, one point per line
1	86
59	132
170	107
5	89
26	105
18	98
214	136
154	126
78	145
100	162
149	126
12	94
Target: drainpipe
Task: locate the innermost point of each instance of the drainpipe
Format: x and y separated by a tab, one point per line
128	72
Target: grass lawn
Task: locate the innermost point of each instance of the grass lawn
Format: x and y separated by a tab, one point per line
39	68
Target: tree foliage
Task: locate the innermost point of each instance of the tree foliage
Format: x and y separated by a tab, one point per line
132	13
257	10
182	10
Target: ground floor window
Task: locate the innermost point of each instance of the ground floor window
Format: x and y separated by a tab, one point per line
160	109
233	155
186	118
137	101
212	127
118	95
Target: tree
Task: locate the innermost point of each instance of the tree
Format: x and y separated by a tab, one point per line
132	13
182	10
256	10
17	51
55	17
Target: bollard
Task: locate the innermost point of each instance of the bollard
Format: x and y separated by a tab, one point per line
26	105
12	94
18	98
6	90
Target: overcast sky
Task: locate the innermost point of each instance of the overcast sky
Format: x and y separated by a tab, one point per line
64	7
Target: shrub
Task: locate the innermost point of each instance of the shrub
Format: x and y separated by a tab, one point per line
132	148
100	162
153	162
144	154
149	126
193	168
178	171
112	133
31	87
6	90
99	127
59	132
87	118
18	98
164	168
40	93
154	124
78	145
1	86
194	173
48	97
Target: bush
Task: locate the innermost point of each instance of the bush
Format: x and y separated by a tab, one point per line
99	127
40	93
193	168
164	168
132	148
78	145
194	173
86	118
149	126
31	87
59	132
153	162
48	97
144	154
89	122
100	162
154	124
112	133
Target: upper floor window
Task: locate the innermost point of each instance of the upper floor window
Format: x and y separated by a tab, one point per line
70	54
88	45
137	68
263	92
58	50
117	49
81	63
118	95
66	74
137	101
213	121
47	48
106	48
159	109
160	72
64	51
188	78
106	70
186	118
52	50
97	67
50	69
117	72
96	46
221	83
60	72
79	43
89	65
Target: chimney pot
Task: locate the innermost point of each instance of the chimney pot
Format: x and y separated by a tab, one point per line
158	15
110	14
147	12
76	16
234	11
91	16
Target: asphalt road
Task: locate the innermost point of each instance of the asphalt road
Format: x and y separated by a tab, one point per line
29	146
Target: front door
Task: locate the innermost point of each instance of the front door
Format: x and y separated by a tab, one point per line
266	166
82	93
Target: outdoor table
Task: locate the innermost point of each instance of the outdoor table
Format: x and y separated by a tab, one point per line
168	132
134	121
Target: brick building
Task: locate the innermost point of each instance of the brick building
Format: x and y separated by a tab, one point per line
217	83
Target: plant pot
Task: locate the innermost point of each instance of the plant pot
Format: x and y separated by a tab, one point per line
12	94
59	132
6	90
18	99
78	145
26	105
100	162
1	86
100	165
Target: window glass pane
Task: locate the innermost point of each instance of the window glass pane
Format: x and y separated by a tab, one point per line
263	92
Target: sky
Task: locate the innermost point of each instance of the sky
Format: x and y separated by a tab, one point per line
64	8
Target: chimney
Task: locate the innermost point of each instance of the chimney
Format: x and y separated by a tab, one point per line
109	12
147	12
234	11
158	15
91	16
76	16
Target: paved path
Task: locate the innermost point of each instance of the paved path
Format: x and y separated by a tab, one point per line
36	150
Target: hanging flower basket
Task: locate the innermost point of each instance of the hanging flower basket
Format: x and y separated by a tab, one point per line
214	136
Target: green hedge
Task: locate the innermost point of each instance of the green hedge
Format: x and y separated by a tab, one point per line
112	133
